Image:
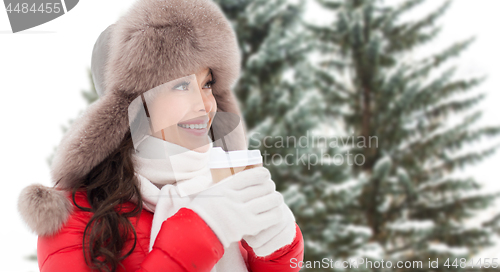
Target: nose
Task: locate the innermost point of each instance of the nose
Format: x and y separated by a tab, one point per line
202	101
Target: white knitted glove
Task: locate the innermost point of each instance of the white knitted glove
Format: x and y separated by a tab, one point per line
274	237
243	204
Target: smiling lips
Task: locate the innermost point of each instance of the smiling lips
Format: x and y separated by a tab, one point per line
193	126
197	126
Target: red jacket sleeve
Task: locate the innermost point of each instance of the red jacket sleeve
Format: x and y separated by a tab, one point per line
178	236
280	260
172	250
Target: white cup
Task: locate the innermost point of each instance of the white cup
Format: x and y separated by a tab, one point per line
223	164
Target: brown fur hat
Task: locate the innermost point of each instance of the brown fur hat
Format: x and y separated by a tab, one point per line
153	43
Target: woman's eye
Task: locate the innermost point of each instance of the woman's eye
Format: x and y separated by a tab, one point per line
182	86
209	84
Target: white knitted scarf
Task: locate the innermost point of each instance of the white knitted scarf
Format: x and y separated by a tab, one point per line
163	167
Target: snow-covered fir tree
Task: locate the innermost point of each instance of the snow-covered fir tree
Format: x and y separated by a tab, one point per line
283	112
412	202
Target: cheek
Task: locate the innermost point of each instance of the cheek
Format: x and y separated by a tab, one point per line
213	110
214	103
166	112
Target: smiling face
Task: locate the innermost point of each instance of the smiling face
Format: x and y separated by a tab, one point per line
181	111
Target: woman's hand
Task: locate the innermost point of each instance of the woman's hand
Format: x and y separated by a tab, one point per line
244	204
274	237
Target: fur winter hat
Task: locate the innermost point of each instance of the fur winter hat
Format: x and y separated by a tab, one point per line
153	43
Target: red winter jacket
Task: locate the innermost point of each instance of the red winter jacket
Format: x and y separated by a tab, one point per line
184	243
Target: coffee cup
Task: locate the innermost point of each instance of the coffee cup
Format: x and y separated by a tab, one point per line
224	164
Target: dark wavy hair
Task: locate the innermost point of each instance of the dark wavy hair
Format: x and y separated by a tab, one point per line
108	185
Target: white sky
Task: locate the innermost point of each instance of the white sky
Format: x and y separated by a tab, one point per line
43	71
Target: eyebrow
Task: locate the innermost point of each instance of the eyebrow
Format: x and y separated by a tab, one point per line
209	72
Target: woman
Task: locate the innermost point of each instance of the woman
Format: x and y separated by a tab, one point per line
115	206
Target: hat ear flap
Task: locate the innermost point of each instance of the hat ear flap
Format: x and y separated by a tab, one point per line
91	138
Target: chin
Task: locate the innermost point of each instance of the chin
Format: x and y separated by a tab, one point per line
201	148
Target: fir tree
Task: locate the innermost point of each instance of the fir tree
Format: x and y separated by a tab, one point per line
412	203
279	101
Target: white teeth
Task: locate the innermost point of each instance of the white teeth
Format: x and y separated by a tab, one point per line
193	126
